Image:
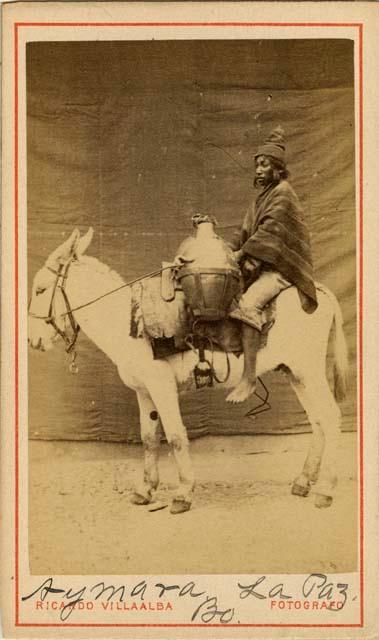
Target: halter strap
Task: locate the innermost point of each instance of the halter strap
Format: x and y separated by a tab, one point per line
54	271
62	274
60	282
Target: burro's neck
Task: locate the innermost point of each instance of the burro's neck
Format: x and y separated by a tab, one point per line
104	313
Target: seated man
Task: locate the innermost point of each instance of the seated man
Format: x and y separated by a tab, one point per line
273	250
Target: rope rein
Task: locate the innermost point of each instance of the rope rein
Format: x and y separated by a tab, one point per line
123	286
61	278
70	342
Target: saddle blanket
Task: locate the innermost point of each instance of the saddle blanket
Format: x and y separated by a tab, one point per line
168	324
155	317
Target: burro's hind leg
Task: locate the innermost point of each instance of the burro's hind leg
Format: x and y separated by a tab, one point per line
163	391
324	416
149	420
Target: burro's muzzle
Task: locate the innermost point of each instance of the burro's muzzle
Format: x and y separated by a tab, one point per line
41	335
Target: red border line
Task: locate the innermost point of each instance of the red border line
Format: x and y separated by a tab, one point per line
360	303
189	24
16	353
194	626
360	315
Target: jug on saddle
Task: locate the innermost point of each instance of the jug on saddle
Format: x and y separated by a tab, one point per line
207	272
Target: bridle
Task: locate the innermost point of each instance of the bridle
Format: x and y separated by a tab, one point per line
60	284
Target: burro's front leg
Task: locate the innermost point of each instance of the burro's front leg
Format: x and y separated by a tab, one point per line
183	498
150	437
163	391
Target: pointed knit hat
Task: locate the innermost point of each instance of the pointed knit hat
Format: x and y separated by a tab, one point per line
274	145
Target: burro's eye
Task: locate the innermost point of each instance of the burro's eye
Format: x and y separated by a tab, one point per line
40	290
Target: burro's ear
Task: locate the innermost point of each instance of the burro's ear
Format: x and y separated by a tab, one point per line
84	242
67	248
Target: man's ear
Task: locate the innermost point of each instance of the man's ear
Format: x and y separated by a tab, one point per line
84	242
63	252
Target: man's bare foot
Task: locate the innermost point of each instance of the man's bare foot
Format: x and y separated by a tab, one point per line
242	392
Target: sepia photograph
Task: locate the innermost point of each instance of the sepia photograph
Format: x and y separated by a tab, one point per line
189	360
192	318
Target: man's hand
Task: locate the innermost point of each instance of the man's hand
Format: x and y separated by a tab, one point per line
180	261
251	264
251	268
237	255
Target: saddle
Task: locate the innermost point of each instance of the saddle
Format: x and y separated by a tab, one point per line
161	312
187	306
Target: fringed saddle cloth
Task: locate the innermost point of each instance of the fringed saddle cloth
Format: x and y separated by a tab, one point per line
159	311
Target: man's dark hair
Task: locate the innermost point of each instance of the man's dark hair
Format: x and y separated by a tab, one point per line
280	170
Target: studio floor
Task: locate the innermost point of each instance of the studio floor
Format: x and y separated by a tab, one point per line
243	519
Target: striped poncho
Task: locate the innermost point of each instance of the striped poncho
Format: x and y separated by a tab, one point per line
275	232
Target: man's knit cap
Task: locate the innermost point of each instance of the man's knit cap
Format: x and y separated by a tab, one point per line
274	145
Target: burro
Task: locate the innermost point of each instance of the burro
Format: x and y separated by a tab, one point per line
72	290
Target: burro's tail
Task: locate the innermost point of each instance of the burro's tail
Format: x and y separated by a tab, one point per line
339	347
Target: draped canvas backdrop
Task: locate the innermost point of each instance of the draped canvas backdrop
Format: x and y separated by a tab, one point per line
133	138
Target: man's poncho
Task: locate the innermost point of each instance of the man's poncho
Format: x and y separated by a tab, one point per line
274	231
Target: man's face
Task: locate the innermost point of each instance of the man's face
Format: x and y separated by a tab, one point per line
264	173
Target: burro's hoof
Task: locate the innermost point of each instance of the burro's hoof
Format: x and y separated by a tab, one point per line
180	505
140	498
300	489
322	501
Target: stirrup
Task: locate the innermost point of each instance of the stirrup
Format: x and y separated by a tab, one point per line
263	406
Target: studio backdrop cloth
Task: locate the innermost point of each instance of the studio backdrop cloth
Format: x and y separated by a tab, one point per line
133	138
